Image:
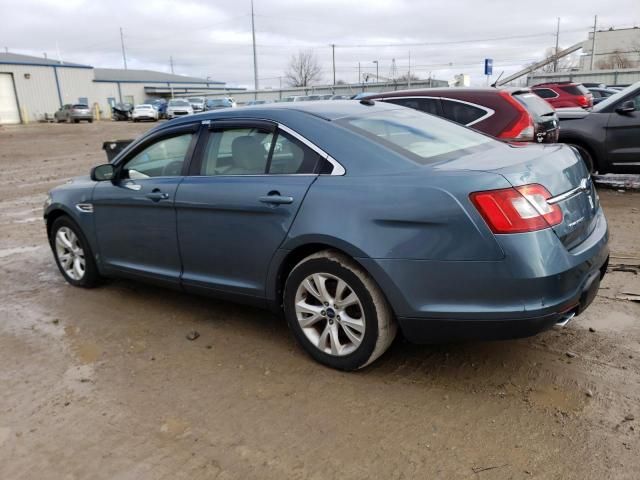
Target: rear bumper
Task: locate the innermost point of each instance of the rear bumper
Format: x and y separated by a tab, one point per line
534	287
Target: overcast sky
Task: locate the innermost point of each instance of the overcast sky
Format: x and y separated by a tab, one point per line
212	38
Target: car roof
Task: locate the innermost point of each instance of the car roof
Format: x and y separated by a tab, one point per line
443	92
325	109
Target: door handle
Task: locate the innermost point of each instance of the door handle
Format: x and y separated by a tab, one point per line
156	196
274	198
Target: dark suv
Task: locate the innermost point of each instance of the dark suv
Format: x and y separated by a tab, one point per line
510	114
564	94
607	136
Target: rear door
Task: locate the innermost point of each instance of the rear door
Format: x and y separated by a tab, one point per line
623	135
238	203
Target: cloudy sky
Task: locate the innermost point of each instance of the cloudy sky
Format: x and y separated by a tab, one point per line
212	38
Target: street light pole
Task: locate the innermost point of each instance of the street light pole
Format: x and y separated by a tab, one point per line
255	58
377	75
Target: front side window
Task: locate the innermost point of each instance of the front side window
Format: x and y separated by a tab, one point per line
237	151
423	138
462	113
163	158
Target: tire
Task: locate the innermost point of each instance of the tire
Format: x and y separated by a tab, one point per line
75	120
91	121
90	277
328	338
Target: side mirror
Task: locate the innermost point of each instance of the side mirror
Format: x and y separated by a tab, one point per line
626	107
103	172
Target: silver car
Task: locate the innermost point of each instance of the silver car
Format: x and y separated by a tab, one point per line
177	108
74	113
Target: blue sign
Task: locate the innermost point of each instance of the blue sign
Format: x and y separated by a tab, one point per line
488	66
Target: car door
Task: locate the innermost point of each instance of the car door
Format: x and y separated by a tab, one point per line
623	131
246	184
134	214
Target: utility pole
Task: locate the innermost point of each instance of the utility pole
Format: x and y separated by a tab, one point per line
255	58
124	54
409	72
555	52
377	71
171	63
593	41
333	57
359	74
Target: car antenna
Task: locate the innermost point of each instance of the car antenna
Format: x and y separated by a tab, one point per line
495	84
367	101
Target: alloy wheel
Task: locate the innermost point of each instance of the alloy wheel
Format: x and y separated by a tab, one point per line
330	314
70	253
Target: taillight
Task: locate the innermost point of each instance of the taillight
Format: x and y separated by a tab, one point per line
585	101
517	210
523	129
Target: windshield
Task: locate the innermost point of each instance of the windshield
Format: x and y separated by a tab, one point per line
196	100
80	106
614	98
178	103
219	103
143	107
424	138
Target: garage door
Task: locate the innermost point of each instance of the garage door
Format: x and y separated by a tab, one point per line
8	104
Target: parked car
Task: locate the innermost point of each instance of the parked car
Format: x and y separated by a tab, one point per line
510	114
160	104
198	104
255	102
564	94
295	98
176	108
351	228
217	103
144	112
600	94
74	113
340	97
608	136
121	111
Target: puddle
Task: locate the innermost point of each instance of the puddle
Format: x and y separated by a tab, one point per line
86	352
7	252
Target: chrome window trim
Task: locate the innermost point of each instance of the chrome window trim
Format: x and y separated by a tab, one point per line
489	112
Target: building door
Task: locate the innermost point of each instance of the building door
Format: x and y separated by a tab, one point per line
8	104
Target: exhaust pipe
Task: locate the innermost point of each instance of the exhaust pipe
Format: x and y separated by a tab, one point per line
566	318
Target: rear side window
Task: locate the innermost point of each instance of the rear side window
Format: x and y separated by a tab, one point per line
534	104
423	138
427	105
461	113
237	151
545	92
574	89
291	156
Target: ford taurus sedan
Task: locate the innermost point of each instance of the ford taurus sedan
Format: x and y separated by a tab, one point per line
351	218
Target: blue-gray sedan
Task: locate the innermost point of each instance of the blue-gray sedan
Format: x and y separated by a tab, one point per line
352	218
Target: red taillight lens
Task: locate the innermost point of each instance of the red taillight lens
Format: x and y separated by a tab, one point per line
523	129
585	101
517	210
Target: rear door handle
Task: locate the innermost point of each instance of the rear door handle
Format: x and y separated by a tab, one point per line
276	199
157	196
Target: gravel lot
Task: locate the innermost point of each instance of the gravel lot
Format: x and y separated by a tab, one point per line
103	384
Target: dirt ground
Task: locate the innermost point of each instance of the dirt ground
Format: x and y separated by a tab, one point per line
102	384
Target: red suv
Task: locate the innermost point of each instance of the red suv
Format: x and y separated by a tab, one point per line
510	114
564	94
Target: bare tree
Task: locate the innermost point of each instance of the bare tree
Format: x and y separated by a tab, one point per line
303	69
405	78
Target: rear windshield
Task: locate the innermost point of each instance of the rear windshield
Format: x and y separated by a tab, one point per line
215	103
178	103
534	104
79	105
575	89
196	100
423	138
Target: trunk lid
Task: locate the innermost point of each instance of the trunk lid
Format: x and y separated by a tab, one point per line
558	168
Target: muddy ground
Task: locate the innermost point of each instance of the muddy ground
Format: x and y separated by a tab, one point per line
103	384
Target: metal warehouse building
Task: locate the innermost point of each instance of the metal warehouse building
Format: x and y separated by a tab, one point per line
33	88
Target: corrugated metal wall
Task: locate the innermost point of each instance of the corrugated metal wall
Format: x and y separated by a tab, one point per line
625	76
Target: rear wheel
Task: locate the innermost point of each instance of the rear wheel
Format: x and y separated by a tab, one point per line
336	311
73	254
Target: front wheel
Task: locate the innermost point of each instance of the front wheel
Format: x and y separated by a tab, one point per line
73	254
336	311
